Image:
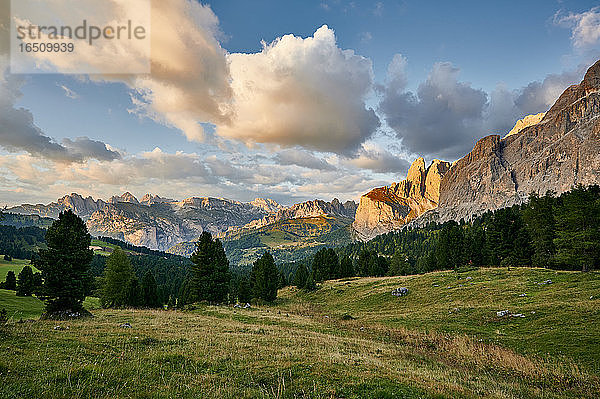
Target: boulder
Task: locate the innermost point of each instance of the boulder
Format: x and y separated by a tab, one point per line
402	291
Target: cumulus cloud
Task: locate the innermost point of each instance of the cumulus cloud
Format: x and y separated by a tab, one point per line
445	117
539	96
306	92
302	158
441	118
585	27
379	160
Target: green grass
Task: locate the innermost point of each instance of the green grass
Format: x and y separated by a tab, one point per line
436	342
16	265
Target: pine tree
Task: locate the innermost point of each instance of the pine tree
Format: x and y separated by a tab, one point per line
25	283
346	267
134	295
282	281
538	215
310	284
325	265
244	292
265	277
210	270
117	274
300	276
65	264
11	281
449	251
399	265
150	291
578	228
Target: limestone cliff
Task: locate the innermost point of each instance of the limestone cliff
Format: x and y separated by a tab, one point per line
385	209
559	152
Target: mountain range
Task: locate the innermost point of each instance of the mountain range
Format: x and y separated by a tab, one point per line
551	151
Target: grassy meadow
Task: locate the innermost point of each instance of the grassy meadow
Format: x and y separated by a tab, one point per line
348	339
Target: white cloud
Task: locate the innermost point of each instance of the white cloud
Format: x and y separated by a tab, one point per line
306	92
585	27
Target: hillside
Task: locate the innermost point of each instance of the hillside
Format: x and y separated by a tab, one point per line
350	339
288	240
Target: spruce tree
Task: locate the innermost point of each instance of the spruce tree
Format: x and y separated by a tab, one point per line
244	291
346	267
210	270
282	280
134	296
11	281
578	228
300	276
117	274
265	277
538	215
25	282
65	264
150	291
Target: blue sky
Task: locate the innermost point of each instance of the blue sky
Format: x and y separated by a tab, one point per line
491	62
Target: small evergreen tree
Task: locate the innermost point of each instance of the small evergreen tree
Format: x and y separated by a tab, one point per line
150	291
265	278
11	281
578	228
65	264
25	282
399	265
346	267
300	276
117	274
325	265
310	284
134	295
210	270
244	292
282	280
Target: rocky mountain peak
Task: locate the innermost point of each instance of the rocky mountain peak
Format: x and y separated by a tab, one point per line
557	153
125	197
266	204
388	208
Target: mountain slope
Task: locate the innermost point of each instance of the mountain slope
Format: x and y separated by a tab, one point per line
561	151
155	222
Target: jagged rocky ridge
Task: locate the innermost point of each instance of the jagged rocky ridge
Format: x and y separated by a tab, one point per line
558	153
155	222
552	151
388	208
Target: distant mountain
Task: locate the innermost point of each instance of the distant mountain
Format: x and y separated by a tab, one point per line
290	233
155	222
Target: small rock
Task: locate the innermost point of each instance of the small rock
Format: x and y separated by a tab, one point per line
58	328
402	291
469	278
502	313
546	282
247	306
591	297
125	325
237	306
436	285
533	312
522	295
517	315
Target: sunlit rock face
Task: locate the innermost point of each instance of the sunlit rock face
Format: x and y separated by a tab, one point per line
388	208
527	121
558	153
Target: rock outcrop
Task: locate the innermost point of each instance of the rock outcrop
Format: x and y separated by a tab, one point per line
385	209
558	153
527	121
